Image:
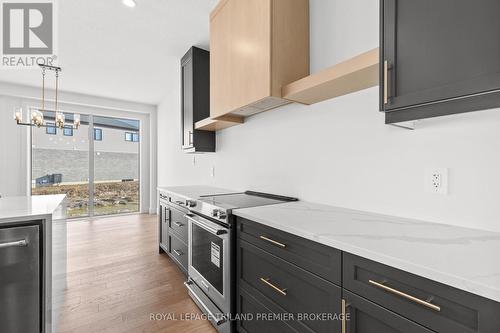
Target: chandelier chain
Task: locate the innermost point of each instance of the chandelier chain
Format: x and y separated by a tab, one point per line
43	88
57	86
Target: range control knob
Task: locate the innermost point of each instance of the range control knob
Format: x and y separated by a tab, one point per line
190	203
220	214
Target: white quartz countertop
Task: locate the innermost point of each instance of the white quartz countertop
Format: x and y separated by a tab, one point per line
37	206
463	258
195	191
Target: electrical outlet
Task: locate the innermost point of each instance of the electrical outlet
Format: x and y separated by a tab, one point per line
437	180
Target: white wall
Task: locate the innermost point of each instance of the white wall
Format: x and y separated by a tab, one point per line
13	158
14	152
339	152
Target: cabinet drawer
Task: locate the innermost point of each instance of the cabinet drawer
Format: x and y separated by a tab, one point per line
429	303
178	251
363	316
316	258
291	288
256	318
178	223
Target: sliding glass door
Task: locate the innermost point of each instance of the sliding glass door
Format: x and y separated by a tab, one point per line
116	165
96	165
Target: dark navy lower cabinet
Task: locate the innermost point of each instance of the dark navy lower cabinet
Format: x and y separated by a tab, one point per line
289	292
439	307
173	227
277	287
363	316
256	317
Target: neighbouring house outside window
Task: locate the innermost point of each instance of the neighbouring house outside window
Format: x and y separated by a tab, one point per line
51	129
68	130
97	134
131	137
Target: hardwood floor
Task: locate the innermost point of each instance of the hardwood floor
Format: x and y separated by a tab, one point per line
117	280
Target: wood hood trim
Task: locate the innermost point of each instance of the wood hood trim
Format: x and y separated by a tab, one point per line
357	73
213	125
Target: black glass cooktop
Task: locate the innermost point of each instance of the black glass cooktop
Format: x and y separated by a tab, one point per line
244	200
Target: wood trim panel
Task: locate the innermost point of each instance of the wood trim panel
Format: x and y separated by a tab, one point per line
352	75
213	125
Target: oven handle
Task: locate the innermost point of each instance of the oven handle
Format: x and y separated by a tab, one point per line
218	322
208	226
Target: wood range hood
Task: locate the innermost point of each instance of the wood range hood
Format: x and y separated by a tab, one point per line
259	60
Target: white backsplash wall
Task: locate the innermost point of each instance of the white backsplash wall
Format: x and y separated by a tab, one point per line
339	152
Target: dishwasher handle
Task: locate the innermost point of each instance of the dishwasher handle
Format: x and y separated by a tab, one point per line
20	243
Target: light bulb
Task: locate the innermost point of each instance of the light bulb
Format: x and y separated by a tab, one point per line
60	119
18	115
76	120
37	118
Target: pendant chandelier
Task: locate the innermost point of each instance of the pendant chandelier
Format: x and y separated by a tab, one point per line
37	118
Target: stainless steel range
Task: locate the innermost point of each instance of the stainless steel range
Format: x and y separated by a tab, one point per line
211	253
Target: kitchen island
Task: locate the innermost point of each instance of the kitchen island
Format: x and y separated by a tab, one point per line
33	249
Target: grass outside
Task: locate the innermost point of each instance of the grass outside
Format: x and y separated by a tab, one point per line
109	197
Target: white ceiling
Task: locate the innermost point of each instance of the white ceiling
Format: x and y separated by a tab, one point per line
107	49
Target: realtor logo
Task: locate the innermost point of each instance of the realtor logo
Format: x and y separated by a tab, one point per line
27	33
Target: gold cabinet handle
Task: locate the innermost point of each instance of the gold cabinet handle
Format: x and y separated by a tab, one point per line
273	241
386	84
279	290
404	295
344	324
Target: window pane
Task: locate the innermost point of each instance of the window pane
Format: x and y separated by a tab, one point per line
128	136
116	167
135	137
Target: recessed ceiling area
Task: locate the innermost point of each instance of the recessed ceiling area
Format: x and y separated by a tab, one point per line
108	49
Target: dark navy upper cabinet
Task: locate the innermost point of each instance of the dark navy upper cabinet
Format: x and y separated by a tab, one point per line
195	100
438	57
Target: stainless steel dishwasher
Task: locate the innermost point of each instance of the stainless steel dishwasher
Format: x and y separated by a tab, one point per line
20	279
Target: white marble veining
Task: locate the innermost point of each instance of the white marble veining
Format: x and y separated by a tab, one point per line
463	258
38	206
194	191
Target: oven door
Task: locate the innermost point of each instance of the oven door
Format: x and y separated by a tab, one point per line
209	259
